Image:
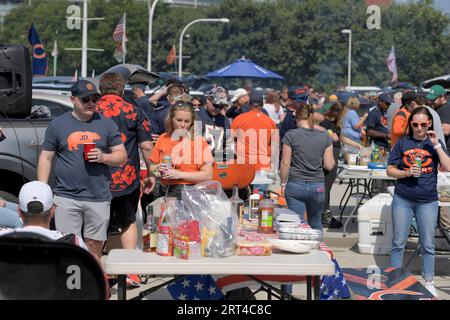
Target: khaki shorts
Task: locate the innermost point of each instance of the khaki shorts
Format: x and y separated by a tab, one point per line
73	216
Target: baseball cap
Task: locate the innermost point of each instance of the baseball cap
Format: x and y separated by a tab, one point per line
218	96
299	93
35	197
435	92
408	96
83	89
256	98
238	93
384	97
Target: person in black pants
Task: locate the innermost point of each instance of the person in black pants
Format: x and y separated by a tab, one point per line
331	123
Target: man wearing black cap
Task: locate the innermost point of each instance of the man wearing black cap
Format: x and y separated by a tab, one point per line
85	144
215	125
296	95
256	133
377	121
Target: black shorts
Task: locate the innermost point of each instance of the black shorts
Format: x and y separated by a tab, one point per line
123	210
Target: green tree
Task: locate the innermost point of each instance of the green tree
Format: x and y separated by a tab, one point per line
299	39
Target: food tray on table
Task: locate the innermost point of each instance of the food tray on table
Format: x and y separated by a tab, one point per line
353	169
312	244
302	233
290	245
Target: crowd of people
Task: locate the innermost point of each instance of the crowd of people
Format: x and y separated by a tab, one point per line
296	131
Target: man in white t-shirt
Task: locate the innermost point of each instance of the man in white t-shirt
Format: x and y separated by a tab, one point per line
36	210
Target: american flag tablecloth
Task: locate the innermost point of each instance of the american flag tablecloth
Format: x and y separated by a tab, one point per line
211	287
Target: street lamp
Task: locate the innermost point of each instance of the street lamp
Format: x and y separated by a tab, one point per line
349	76
180	57
151	10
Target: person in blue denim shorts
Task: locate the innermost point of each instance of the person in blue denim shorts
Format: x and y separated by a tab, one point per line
306	152
414	163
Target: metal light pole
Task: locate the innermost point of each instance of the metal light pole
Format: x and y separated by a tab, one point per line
349	76
180	56
151	10
84	40
84	48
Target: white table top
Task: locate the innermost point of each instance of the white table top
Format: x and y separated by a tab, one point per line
374	174
126	261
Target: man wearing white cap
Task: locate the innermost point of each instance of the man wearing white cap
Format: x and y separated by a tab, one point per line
240	102
36	209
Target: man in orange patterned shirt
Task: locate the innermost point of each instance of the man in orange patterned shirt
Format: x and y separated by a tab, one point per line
125	180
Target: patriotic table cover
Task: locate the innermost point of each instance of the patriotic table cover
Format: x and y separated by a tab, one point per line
211	287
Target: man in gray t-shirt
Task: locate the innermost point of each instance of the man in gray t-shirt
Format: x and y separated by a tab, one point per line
82	194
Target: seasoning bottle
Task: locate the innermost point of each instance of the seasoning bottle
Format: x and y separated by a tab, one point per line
237	204
164	240
266	209
253	209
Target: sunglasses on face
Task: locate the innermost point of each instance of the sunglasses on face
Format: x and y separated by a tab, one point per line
93	99
197	104
423	124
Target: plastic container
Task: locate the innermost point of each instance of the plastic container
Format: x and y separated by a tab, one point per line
237	204
265	219
375	225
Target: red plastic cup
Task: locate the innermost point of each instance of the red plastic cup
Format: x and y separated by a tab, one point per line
87	148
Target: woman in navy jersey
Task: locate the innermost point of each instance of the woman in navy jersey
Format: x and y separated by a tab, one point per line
414	163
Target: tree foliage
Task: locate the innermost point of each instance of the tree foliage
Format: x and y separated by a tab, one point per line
300	39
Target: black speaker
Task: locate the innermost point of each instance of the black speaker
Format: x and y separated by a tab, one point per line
15	81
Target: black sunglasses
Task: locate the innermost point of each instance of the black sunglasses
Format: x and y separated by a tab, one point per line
93	99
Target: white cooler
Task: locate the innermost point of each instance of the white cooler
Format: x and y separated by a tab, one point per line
375	225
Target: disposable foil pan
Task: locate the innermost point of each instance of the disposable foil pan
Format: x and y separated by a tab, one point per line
313	244
302	233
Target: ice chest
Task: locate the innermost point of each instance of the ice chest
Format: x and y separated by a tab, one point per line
375	225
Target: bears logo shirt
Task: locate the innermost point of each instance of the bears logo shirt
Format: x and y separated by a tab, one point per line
76	178
423	188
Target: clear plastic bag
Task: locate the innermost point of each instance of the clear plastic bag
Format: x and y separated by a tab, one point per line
185	230
218	222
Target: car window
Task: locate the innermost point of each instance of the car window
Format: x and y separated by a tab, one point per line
56	109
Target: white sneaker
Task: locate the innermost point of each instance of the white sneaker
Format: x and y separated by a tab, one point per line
430	287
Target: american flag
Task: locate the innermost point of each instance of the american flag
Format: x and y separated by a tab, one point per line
335	286
120	37
392	65
196	287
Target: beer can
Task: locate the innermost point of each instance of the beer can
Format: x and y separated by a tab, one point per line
167	162
418	162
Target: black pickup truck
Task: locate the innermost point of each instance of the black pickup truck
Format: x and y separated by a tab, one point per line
20	150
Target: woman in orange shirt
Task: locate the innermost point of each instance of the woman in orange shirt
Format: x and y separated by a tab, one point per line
191	158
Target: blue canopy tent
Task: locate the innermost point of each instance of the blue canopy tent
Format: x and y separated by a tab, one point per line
244	68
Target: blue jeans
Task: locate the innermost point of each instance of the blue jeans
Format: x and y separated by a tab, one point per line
9	217
426	215
301	195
